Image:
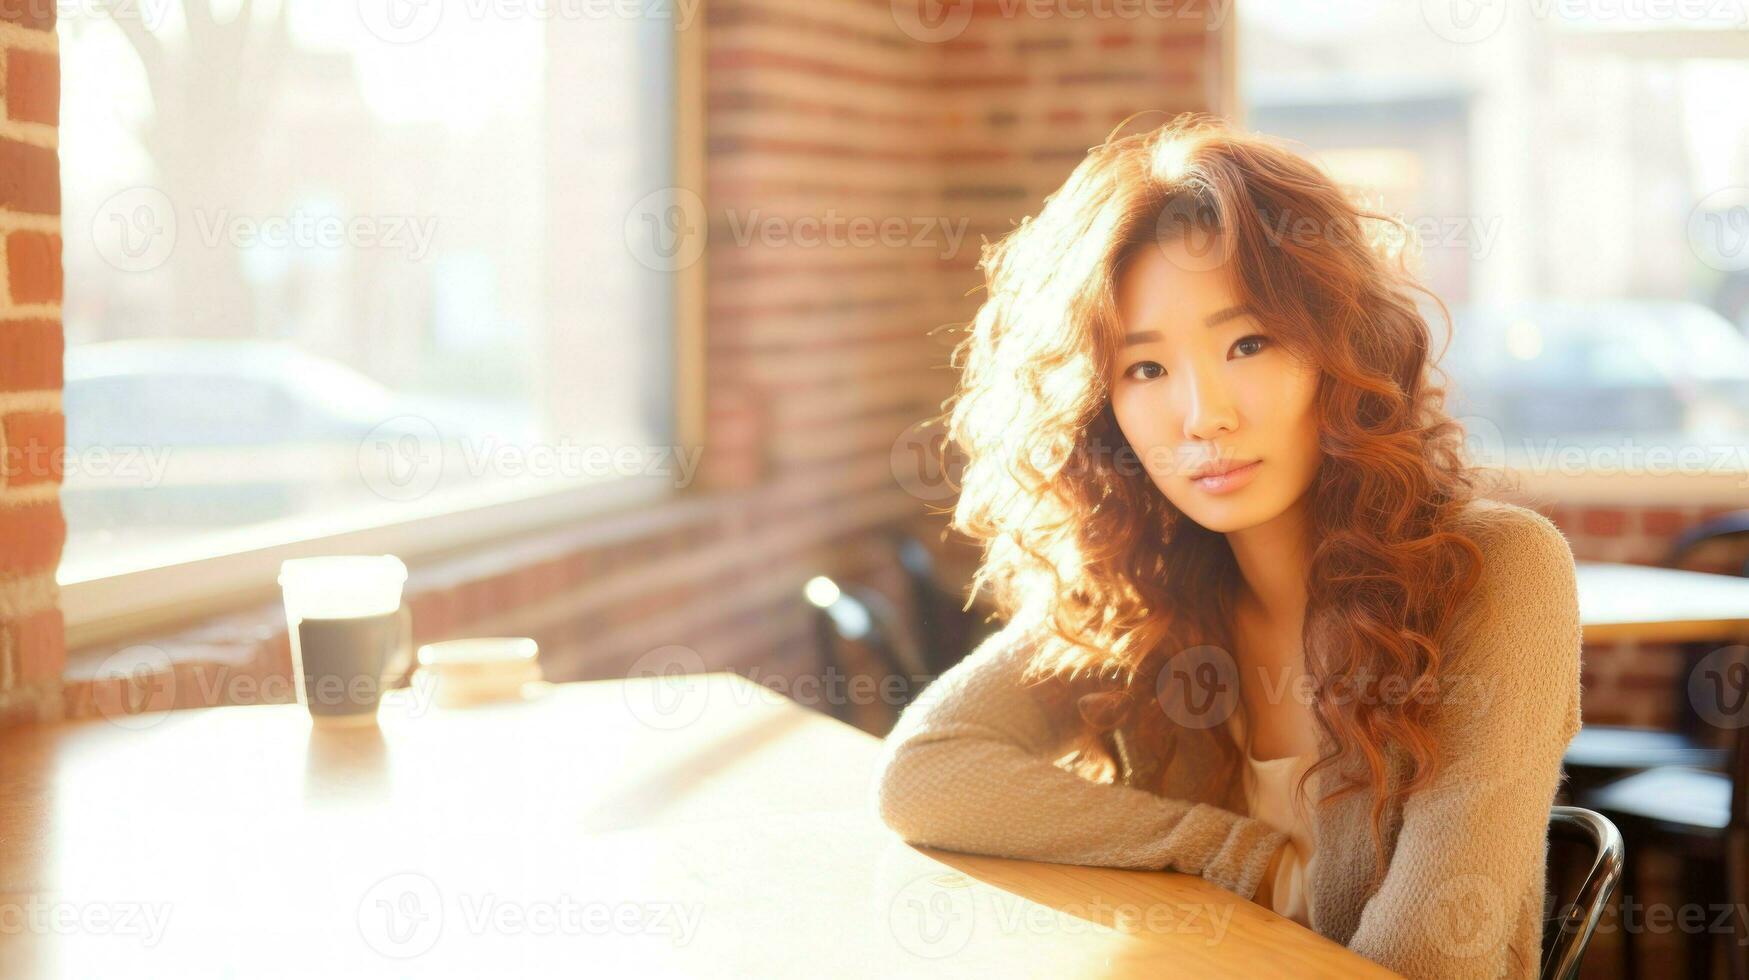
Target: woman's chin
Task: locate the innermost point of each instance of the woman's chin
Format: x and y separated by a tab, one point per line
1225	514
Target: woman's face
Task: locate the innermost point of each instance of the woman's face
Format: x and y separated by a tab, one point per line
1199	382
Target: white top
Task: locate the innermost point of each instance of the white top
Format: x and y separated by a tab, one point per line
1269	792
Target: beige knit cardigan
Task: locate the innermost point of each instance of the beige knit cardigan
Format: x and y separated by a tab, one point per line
972	766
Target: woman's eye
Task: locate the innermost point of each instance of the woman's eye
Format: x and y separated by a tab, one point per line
1257	340
1142	366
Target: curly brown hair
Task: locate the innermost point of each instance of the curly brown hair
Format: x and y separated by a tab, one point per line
1077	537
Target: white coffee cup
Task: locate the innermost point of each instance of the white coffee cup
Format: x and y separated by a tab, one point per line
350	634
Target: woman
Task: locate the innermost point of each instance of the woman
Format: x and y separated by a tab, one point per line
1263	627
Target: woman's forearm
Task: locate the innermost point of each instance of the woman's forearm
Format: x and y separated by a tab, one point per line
969	767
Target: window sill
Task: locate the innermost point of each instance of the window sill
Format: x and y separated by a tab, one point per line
241	655
139	602
1724	488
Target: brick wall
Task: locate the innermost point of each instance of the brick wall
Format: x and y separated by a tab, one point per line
1026	96
31	429
1638	533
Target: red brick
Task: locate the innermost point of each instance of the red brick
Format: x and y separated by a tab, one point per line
1639	680
1109	41
33	86
33	449
733	419
499	591
732	471
38	15
33	261
1609	522
30	177
33	534
550	577
120	695
536	581
1613	714
40	640
31	352
578	567
201	684
1662	522
1170	78
984	80
468	602
20	711
431	615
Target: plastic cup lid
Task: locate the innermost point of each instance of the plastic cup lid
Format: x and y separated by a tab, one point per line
482	651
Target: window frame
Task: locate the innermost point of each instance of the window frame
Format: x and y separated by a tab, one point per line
114	607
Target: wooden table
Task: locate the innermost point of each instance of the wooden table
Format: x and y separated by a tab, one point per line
1631	602
703	826
1661	605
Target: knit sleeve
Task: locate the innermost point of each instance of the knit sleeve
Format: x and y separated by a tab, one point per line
970	766
1463	896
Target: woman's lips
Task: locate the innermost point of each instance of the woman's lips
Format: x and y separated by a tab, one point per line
1229	481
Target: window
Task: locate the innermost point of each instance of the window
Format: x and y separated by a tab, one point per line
334	266
1578	176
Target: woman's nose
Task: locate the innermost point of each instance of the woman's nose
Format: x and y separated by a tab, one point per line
1210	408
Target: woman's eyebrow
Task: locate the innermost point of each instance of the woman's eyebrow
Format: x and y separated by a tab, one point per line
1212	320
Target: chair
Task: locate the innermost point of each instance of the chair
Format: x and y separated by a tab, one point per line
947	631
1567	934
1700	815
1720	544
1602	752
862	617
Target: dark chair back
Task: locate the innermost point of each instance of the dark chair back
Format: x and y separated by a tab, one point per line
1717	545
947	631
1720	546
1572	929
847	615
1737	830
